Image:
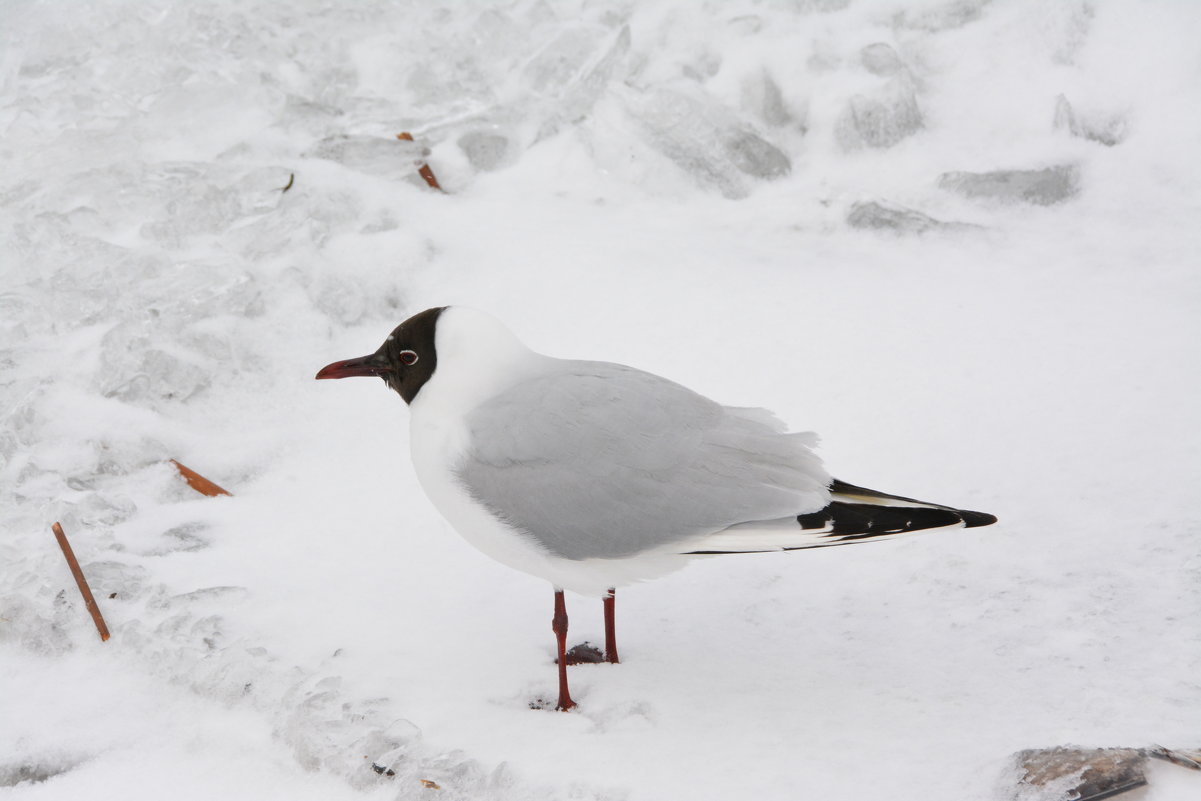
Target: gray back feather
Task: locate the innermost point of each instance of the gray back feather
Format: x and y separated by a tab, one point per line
599	460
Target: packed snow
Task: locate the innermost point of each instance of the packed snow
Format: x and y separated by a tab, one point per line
957	238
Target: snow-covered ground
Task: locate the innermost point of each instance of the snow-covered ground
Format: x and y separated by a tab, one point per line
1014	326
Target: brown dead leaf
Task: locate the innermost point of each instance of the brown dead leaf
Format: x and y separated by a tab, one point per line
199	482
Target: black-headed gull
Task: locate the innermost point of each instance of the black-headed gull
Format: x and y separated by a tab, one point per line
593	475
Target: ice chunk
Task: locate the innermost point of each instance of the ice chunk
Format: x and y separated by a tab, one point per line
487	149
497	35
183	199
133	370
341	300
1043	187
15	309
100	509
556	65
109	579
706	139
390	745
374	155
308	115
1109	130
585	76
880	119
310	216
872	215
37	614
184	537
208	595
456	769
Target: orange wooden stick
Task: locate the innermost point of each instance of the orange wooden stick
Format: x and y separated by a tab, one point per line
424	170
84	589
199	482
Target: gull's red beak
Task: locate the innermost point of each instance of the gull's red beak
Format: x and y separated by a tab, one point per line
364	365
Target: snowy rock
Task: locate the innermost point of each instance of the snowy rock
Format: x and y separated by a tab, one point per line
746	24
761	97
948	15
1108	130
1043	187
703	65
705	139
876	216
820	6
1074	774
35	771
880	119
881	59
883	116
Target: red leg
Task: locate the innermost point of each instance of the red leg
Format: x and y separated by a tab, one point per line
559	627
610	628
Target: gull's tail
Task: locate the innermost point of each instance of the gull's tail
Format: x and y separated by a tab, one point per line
854	514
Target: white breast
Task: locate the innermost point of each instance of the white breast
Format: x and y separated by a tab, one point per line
436	445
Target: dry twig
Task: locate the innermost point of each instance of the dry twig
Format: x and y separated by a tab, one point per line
84	589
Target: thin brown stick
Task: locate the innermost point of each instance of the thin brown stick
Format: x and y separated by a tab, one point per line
424	170
84	589
199	482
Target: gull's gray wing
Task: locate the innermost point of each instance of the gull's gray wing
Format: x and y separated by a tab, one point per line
599	460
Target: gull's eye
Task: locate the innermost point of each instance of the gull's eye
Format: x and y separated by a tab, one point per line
407	357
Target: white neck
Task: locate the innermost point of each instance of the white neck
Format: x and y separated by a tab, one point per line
478	357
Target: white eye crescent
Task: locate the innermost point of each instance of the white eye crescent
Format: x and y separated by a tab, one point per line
407	357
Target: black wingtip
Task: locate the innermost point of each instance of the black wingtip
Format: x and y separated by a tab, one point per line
973	519
853	493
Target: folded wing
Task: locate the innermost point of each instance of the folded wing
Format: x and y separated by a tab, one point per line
599	460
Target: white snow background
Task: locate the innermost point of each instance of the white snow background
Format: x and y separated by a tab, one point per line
676	186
